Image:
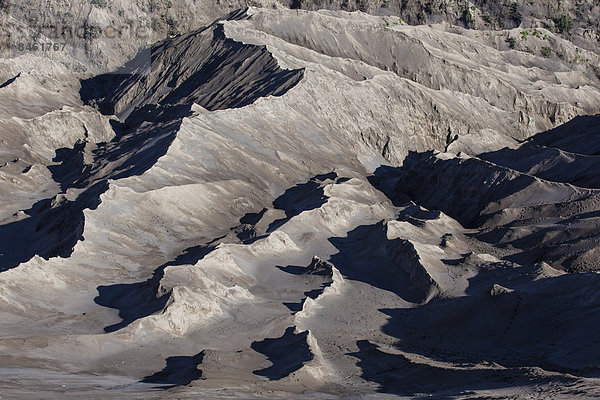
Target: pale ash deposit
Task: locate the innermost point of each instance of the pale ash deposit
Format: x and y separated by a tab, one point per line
294	204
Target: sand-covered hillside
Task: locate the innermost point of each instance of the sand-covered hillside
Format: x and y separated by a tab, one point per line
283	203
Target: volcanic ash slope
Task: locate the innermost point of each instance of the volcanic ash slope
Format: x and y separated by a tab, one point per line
237	228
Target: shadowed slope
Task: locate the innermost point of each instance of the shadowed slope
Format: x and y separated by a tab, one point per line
287	353
202	67
179	371
523	200
567	154
141	299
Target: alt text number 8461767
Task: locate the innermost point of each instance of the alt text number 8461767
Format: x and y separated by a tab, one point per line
43	47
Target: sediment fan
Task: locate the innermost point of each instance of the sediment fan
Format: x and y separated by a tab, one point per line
291	204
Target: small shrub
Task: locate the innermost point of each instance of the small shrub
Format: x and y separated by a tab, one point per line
171	26
488	19
563	23
100	3
468	18
596	69
512	42
514	13
546	51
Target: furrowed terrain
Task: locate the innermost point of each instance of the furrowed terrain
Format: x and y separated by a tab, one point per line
302	204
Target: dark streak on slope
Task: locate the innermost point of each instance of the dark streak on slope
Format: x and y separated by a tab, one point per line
9	81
